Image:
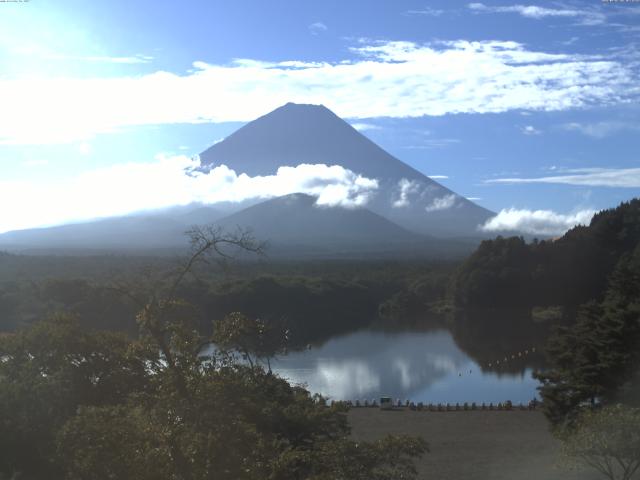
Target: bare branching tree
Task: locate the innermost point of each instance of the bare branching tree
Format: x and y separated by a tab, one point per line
162	313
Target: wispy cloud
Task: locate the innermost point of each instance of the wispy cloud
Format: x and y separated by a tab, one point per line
425	195
601	129
438	177
317	28
590	177
406	189
135	59
165	182
427	12
442	203
586	15
406	80
365	126
429	143
571	41
530	130
536	222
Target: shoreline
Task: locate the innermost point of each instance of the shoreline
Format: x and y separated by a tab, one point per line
472	445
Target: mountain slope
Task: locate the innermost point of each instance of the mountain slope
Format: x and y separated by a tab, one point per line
294	225
296	134
296	218
164	229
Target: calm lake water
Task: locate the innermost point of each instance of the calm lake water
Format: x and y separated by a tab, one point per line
420	366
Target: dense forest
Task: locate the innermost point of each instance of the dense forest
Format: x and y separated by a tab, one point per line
77	403
316	300
584	288
566	272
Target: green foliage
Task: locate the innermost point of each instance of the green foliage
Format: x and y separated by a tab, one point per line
600	353
46	373
423	296
77	404
497	273
253	338
552	313
607	440
314	299
119	441
569	271
313	309
389	458
97	406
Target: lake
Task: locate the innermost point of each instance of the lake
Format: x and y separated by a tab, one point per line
419	366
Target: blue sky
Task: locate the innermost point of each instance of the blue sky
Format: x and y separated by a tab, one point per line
522	107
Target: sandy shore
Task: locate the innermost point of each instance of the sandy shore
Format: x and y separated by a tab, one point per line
473	445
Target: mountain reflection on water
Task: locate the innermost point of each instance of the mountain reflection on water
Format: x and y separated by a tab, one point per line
420	366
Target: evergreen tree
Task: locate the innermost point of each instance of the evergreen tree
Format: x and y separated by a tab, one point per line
592	359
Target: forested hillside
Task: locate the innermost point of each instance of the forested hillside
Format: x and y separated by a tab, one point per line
587	285
568	271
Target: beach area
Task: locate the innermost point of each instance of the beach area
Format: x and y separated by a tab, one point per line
473	445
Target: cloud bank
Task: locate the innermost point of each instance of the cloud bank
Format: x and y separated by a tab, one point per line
405	79
589	177
126	188
536	222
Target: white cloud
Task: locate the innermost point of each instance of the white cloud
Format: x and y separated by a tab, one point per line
394	79
474	199
317	28
129	187
135	59
530	130
585	15
365	126
429	143
571	41
591	177
84	148
601	129
406	188
35	163
441	203
536	222
438	177
423	194
427	11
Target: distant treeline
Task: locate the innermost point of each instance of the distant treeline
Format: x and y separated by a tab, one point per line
315	300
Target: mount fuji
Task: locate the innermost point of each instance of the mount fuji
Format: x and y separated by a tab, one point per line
311	134
406	212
